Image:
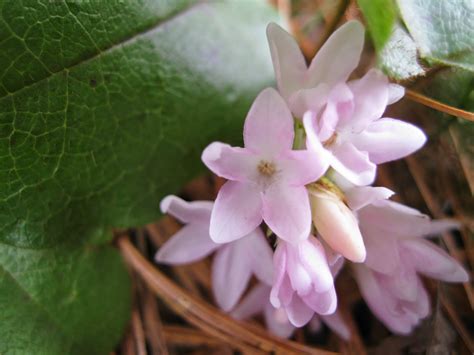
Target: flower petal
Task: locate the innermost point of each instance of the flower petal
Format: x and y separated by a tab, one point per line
359	197
187	212
370	99
434	262
287	212
277	321
298	312
353	164
236	164
281	292
253	303
268	128
259	255
236	212
230	276
322	303
312	99
338	57
313	142
389	139
189	244
337	324
395	93
301	167
312	257
288	61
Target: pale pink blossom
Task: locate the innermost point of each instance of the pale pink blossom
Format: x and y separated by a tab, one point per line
257	301
303	283
396	255
351	134
267	178
342	119
233	264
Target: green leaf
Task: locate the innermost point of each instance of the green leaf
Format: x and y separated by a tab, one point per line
380	16
105	107
442	30
398	59
69	299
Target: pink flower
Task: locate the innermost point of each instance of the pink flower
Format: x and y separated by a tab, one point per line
342	120
307	88
303	282
233	264
350	133
396	255
267	177
257	301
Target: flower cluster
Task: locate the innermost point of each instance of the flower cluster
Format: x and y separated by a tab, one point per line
310	154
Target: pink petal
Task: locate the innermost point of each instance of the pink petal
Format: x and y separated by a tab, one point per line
186	212
353	164
434	262
337	225
288	61
403	283
189	244
338	57
370	98
395	93
337	324
231	163
312	99
268	128
253	303
421	305
359	197
230	276
236	212
401	221
299	277
312	257
313	142
301	167
339	111
287	212
281	292
389	139
382	249
277	321
322	303
381	303
298	312
258	255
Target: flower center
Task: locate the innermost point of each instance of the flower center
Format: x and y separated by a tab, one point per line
266	168
331	140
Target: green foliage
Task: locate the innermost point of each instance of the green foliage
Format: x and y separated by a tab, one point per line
442	30
105	107
380	16
398	59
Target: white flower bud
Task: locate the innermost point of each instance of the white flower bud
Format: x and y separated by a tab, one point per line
337	224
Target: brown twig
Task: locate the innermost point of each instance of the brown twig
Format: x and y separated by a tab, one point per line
138	333
206	317
457	323
438	106
177	335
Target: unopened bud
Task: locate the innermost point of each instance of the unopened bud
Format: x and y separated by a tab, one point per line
336	223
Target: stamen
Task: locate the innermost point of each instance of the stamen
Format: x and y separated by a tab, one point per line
266	168
331	140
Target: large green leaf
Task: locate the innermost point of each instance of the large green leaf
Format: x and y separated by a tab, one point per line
380	16
398	59
105	107
443	30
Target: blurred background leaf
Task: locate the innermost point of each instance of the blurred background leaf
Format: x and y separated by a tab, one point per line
105	107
